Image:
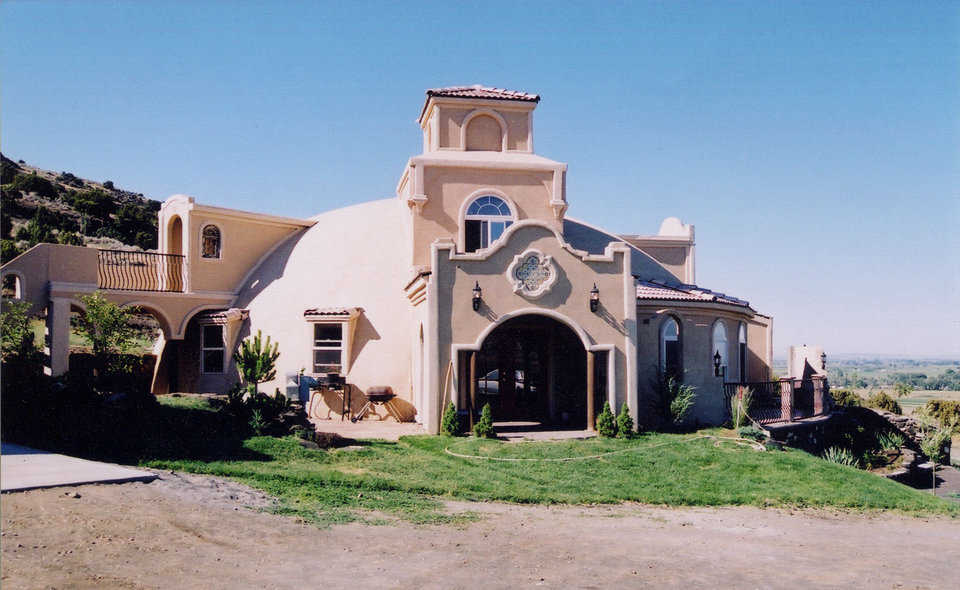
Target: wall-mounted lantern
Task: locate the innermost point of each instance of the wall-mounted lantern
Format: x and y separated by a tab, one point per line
716	364
823	361
477	296
594	298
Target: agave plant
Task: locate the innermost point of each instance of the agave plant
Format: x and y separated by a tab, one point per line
841	456
256	361
890	441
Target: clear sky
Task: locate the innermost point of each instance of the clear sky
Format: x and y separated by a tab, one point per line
813	144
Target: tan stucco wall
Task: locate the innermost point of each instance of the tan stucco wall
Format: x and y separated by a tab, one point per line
243	243
351	257
245	239
450	123
458	324
674	259
448	188
51	262
696	329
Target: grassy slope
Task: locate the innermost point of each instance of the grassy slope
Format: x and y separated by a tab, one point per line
405	478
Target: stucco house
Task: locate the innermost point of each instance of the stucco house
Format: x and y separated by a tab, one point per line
471	285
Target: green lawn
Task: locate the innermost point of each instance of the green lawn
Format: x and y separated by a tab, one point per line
405	479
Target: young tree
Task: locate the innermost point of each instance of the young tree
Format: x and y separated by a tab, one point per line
17	335
107	326
256	361
606	425
484	427
624	423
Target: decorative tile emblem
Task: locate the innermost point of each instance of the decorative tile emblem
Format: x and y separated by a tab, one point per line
532	274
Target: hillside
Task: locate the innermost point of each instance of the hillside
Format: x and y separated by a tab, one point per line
62	208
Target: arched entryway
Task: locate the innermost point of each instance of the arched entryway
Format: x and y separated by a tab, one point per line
533	368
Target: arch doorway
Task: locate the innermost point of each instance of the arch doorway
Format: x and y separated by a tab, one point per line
532	368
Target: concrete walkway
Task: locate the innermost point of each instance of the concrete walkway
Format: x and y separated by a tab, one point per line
23	468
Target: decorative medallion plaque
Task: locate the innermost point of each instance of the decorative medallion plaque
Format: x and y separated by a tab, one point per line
532	274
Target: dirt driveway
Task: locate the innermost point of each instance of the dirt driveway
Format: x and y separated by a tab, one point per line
194	532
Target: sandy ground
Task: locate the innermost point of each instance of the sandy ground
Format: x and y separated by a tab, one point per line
186	531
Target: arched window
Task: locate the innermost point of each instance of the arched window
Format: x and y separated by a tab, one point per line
486	220
12	288
720	345
671	361
742	351
210	242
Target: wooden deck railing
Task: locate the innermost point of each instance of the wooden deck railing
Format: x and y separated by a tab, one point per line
784	400
140	271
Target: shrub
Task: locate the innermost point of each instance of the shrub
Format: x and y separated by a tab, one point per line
257	423
752	432
882	401
841	456
624	423
69	178
256	361
935	443
672	401
484	427
70	238
108	184
740	406
944	412
17	334
31	183
9	250
890	441
606	426
450	424
845	398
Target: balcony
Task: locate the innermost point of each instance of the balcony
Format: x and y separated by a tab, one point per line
140	271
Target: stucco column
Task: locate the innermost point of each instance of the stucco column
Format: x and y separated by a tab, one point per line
786	399
57	339
819	394
591	410
473	386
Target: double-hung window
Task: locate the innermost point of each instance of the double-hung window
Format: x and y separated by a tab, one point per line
327	347
213	349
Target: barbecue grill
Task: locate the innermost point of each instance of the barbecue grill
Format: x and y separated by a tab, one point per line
375	395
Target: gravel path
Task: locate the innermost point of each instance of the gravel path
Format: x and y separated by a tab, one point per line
189	531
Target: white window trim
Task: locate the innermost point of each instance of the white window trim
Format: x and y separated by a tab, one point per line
349	323
204	348
314	347
462	237
200	248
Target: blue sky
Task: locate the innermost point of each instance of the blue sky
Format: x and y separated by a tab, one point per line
813	144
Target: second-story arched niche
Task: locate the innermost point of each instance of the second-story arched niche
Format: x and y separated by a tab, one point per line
484	133
175	236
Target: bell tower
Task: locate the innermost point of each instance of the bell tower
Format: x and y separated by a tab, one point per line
477	118
478	156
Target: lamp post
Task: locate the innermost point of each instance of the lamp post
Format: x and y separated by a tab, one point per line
477	296
594	298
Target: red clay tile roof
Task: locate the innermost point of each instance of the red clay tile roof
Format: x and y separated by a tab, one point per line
651	290
479	91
